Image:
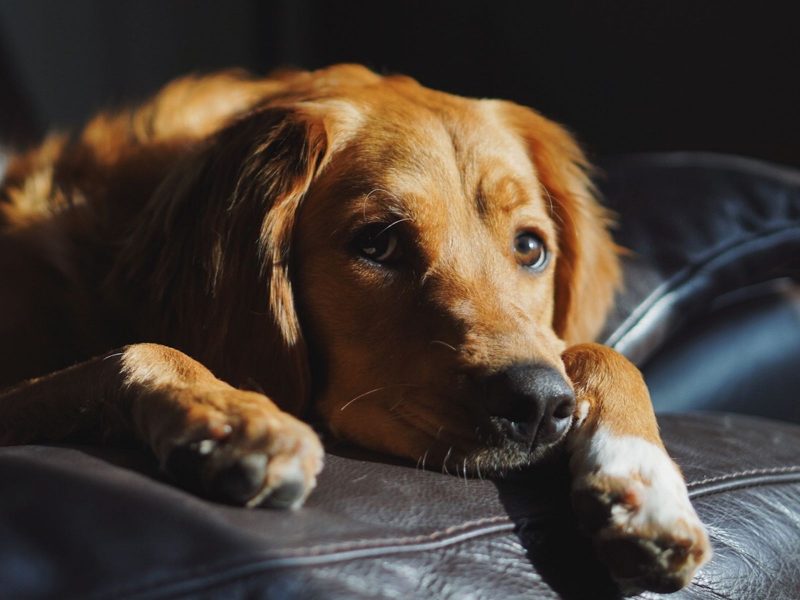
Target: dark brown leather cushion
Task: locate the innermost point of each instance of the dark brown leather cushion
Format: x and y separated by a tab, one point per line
87	522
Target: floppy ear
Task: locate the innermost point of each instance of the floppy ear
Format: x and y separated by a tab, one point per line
587	267
211	255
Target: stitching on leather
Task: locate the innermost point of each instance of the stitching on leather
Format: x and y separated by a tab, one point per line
746	486
746	473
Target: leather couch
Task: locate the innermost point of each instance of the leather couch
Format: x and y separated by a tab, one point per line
710	312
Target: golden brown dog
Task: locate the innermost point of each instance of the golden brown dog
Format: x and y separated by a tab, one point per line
421	272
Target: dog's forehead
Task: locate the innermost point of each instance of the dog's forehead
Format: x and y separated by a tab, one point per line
429	155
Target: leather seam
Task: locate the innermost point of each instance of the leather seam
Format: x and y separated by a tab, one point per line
746	473
791	477
684	276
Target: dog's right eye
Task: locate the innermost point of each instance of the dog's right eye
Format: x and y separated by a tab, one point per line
530	251
379	243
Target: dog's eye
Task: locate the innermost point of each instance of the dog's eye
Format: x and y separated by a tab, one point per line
530	251
379	243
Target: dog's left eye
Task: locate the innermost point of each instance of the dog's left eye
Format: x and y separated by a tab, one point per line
379	243
530	251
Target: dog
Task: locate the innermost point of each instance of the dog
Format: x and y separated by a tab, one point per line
424	274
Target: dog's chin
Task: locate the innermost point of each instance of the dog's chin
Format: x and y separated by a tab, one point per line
513	456
496	457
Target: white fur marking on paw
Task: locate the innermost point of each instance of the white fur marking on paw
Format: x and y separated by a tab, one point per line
647	503
662	501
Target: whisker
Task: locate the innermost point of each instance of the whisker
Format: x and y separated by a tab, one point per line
445	344
549	197
367	197
444	462
390	225
377	389
386	193
349	402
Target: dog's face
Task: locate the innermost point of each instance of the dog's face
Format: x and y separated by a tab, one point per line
427	257
425	264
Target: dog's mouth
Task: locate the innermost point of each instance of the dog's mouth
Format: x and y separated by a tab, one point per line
494	448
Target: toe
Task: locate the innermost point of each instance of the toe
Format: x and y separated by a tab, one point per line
289	494
241	480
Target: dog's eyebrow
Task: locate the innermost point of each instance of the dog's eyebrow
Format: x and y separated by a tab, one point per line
506	195
380	204
481	203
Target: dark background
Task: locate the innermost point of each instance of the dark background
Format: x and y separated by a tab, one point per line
625	75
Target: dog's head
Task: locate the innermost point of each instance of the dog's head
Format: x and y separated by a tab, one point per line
429	256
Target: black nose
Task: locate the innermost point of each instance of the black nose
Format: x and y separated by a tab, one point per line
530	403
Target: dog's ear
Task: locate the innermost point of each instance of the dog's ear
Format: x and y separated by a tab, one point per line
212	251
587	268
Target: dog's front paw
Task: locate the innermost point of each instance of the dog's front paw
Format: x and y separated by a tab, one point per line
630	496
236	446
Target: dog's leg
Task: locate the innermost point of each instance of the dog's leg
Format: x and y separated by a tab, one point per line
232	444
626	490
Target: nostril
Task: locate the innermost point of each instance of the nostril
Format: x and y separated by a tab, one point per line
564	406
520	431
